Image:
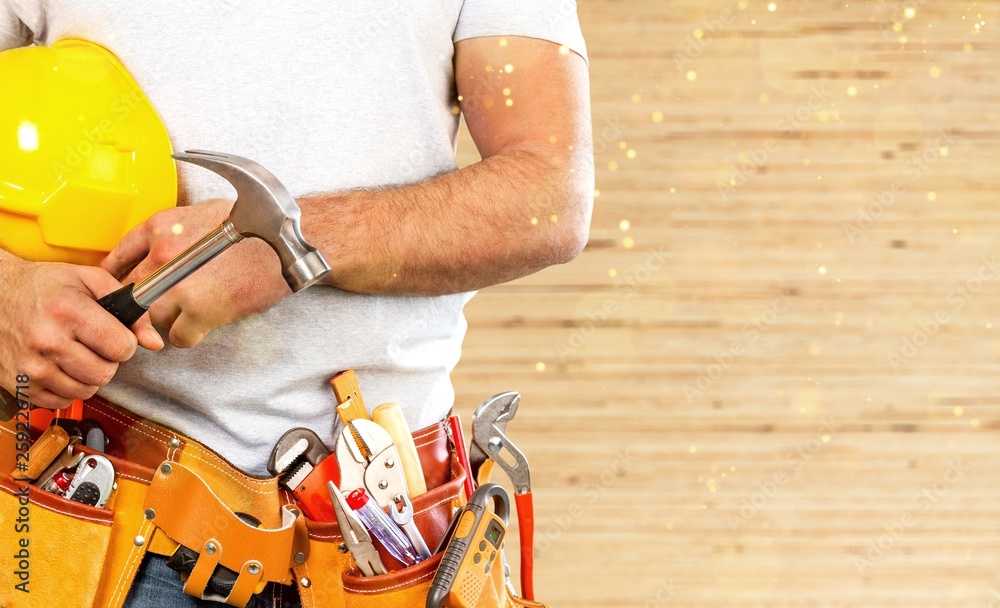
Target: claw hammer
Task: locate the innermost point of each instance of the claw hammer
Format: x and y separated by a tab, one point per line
490	443
264	209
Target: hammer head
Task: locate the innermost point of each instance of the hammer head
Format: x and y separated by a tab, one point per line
265	209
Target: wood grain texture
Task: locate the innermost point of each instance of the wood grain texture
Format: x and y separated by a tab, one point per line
788	393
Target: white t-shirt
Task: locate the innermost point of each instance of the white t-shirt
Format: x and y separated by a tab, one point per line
329	96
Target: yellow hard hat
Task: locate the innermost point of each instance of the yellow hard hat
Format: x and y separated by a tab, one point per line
84	157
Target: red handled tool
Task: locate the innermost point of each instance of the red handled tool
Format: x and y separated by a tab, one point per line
489	442
463	458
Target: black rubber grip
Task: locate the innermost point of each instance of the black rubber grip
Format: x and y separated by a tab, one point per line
123	306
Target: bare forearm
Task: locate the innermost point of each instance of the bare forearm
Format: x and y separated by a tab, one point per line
497	220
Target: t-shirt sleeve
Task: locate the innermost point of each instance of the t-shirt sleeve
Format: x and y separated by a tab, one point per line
552	20
13	32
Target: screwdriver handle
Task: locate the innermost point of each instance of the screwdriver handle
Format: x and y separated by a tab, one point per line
123	305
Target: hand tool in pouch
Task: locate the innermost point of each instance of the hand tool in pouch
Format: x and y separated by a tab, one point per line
474	549
404	519
369	459
356	537
305	466
264	209
458	437
390	417
40	455
350	405
490	444
382	528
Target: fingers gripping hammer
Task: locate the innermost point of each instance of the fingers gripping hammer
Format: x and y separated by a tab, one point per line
263	208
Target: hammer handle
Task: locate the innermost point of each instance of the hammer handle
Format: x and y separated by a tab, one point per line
123	306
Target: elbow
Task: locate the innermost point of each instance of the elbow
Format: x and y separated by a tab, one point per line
572	231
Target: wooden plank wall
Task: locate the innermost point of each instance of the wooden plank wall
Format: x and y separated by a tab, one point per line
777	384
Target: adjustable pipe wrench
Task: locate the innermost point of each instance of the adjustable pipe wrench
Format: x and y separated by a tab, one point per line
489	442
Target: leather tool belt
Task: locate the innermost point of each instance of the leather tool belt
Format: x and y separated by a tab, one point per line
173	491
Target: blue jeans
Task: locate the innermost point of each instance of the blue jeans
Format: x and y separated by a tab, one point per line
157	586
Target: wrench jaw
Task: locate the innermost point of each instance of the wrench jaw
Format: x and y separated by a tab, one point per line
489	421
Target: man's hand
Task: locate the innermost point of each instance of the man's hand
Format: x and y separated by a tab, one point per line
54	331
244	280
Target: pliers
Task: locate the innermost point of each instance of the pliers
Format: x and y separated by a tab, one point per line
489	439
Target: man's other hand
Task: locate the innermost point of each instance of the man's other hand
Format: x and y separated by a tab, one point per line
244	280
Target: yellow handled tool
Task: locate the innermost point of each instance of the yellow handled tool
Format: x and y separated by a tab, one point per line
390	417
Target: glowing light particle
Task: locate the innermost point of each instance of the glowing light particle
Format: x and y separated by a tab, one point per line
822	269
612	166
772	7
540	366
509	102
177	229
564	50
935	71
628	242
624	225
636	98
910	12
657	117
852	91
630	154
932	196
503	42
508	68
957	411
534	221
506	92
613	273
692	449
691	75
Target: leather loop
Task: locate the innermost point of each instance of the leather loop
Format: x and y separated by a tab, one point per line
190	513
246	583
208	559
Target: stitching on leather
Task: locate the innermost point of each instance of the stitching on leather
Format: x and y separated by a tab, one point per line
437	504
74	515
231	476
309	589
124	419
131	559
142	480
326	536
408	583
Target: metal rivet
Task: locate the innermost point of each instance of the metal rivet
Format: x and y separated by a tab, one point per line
343	547
398	498
210	548
383	484
305	582
300	558
150	514
139	541
293	511
165	468
253	569
390	463
174	443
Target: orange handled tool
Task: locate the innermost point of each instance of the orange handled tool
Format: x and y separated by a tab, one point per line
489	446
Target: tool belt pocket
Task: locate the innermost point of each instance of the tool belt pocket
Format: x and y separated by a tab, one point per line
59	552
35	561
330	577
